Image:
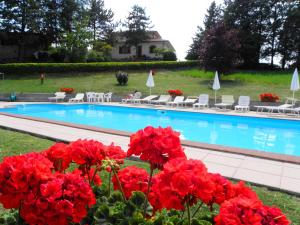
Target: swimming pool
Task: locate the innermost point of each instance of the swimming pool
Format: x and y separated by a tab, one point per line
269	135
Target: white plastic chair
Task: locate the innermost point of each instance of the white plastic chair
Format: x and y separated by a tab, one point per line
99	97
162	99
202	101
243	104
78	98
58	96
227	101
176	101
107	97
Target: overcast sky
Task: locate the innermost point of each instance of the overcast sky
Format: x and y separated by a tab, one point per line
175	20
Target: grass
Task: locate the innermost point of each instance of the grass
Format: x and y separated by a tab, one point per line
13	143
191	81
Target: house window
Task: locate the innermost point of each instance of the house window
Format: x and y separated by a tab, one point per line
124	50
152	49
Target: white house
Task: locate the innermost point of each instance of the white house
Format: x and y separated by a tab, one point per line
146	49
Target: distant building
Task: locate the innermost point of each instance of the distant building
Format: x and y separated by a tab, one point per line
20	47
121	51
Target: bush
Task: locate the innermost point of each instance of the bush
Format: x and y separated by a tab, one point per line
94	56
67	90
122	78
30	68
169	56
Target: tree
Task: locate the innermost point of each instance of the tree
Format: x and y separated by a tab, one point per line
213	16
193	52
219	50
275	19
137	24
289	38
76	42
249	18
100	20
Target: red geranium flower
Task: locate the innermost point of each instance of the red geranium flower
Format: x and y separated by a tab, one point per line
116	153
59	154
274	216
62	200
156	145
175	92
239	211
21	175
180	181
132	179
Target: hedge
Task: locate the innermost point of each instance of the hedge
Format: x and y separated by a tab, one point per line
30	68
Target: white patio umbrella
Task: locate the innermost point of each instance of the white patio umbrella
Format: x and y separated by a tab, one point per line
295	84
150	81
216	85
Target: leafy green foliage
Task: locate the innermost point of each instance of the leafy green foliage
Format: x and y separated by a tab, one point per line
29	68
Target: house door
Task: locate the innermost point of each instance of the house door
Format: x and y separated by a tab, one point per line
140	51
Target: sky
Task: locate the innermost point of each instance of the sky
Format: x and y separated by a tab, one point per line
175	20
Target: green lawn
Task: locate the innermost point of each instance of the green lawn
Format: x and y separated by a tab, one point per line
190	81
12	143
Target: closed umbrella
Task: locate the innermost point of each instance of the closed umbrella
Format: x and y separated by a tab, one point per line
216	85
150	81
295	83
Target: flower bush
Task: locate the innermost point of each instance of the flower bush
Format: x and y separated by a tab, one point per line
61	186
67	90
268	97
175	93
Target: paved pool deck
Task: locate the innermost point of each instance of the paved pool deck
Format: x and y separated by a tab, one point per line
274	174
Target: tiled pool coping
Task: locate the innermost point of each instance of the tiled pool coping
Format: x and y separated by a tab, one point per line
235	150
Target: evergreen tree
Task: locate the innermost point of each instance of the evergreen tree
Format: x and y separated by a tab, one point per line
193	52
213	16
137	23
100	20
289	38
249	18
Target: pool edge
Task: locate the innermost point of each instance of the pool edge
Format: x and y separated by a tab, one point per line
220	148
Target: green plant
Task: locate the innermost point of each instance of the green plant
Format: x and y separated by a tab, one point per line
169	56
122	78
29	68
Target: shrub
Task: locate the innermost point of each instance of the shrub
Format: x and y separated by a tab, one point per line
169	56
268	97
122	78
29	68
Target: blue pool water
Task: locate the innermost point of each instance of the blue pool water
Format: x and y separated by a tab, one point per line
270	135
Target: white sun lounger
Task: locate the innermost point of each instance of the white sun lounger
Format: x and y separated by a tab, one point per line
202	101
146	99
137	95
78	98
58	96
188	101
162	99
243	104
227	101
176	101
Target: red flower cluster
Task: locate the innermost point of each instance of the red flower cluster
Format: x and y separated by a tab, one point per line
156	145
175	92
242	210
181	181
60	201
59	155
132	179
86	153
21	176
67	90
268	97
